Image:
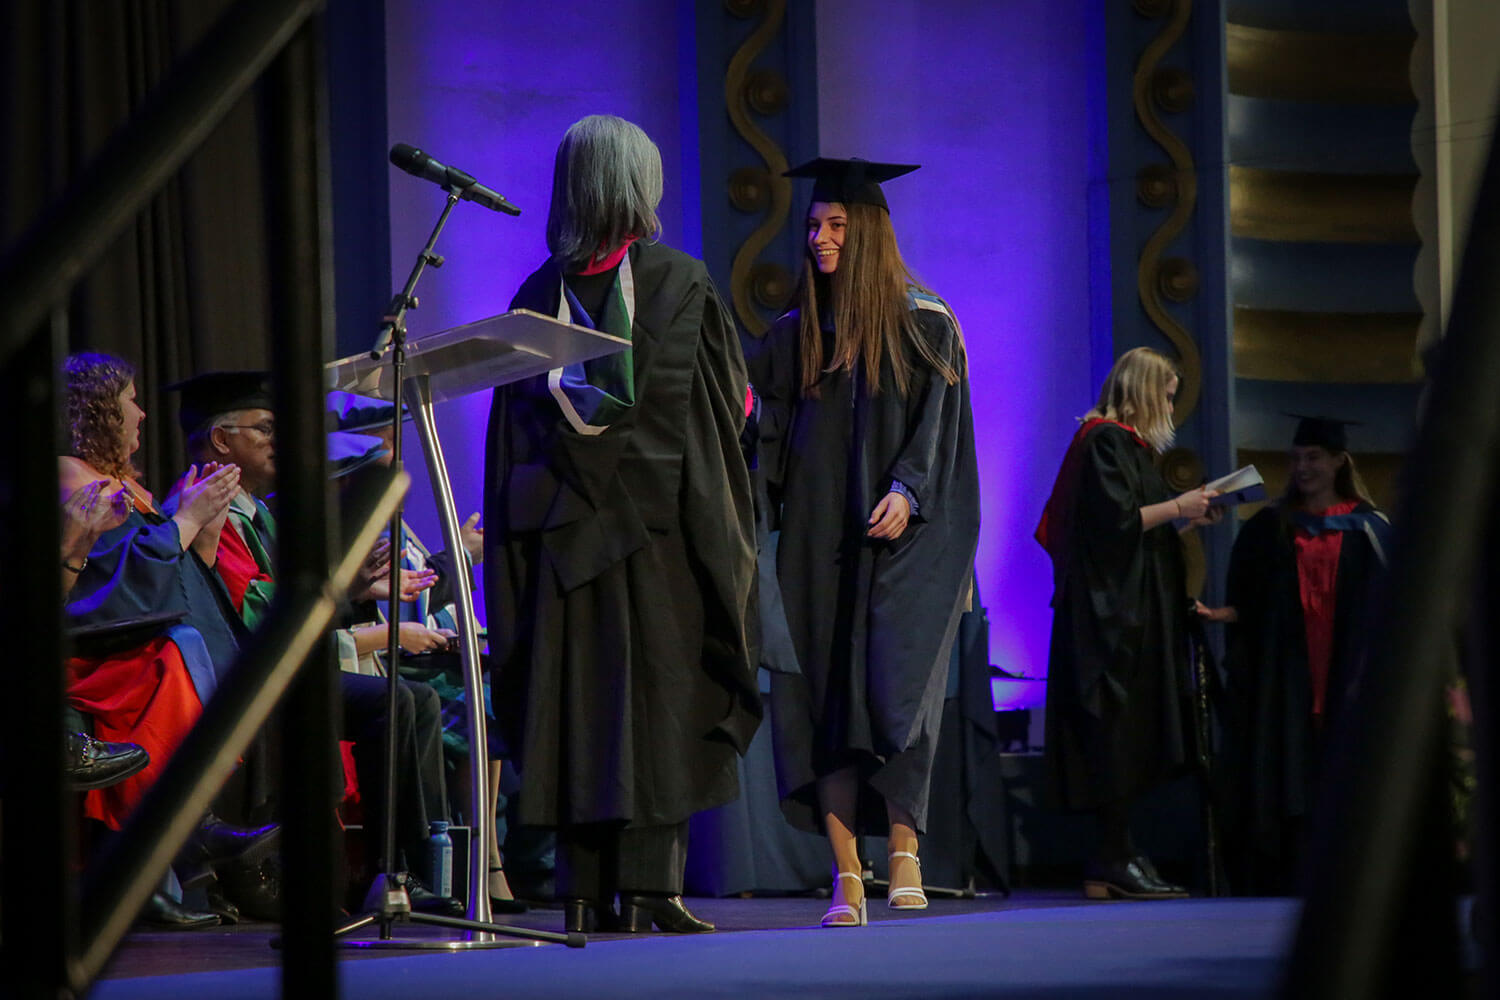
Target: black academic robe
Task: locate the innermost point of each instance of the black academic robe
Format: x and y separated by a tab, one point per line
140	568
619	569
872	622
1118	701
1271	745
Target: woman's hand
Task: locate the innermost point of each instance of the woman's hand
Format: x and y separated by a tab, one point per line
473	539
1224	616
888	519
413	582
376	567
1214	516
204	498
418	638
88	514
1194	503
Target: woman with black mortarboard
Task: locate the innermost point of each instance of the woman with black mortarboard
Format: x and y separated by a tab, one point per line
868	445
1301	577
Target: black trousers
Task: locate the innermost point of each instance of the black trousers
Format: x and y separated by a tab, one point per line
596	860
420	793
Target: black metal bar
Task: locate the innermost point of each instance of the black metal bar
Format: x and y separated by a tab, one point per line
40	891
96	207
1483	656
1378	788
302	333
122	876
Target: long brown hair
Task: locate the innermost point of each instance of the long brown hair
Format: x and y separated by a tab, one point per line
96	423
872	317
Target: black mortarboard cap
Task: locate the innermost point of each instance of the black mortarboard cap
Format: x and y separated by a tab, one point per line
852	181
207	395
1325	432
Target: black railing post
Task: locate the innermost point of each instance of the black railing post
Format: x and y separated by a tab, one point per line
40	918
302	330
1373	848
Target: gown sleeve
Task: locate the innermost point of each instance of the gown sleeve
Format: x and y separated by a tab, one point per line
772	365
718	519
928	447
132	571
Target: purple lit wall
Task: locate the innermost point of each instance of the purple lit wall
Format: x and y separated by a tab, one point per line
491	88
991	98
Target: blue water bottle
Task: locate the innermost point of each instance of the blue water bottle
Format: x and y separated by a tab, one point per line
440	859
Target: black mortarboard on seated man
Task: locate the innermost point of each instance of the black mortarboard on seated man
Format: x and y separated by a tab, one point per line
850	182
1325	432
207	395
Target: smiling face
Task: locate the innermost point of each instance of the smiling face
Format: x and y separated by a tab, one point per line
826	223
131	417
1315	471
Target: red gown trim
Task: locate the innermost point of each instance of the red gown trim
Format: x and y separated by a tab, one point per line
1059	504
1317	583
143	696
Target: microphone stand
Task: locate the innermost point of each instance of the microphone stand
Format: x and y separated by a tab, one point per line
395	903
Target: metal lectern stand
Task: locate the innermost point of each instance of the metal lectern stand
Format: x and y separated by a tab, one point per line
440	367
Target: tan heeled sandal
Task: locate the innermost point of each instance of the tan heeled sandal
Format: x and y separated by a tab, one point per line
846	914
900	891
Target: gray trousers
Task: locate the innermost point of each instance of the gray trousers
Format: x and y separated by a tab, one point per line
596	860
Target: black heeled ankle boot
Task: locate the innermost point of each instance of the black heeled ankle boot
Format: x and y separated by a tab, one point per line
587	916
638	912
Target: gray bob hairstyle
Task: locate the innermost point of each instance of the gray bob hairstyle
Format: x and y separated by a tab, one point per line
606	184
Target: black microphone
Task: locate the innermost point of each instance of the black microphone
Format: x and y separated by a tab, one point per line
419	164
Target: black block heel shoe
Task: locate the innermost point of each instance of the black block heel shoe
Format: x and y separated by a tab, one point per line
585	916
638	913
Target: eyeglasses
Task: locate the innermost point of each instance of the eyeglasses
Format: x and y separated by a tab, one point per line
266	429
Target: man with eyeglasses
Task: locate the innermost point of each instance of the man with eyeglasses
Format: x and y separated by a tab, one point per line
228	419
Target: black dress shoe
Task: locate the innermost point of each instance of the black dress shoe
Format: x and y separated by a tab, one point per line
586	916
216	843
220	905
1155	876
93	763
424	900
1125	880
160	911
668	913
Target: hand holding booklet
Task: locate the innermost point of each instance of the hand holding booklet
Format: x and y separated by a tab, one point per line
1240	486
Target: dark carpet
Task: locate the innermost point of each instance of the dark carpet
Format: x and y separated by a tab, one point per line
1044	945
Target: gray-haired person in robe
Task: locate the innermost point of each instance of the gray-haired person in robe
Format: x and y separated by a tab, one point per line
620	557
868	443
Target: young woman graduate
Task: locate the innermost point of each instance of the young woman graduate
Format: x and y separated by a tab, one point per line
620	556
1301	577
868	444
1118	710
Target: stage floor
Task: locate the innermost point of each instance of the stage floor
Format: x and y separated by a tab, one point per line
1032	944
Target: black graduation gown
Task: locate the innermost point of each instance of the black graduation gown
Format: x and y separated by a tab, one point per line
872	622
619	570
140	568
1272	749
1118	701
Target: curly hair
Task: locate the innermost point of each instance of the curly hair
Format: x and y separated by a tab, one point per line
94	382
